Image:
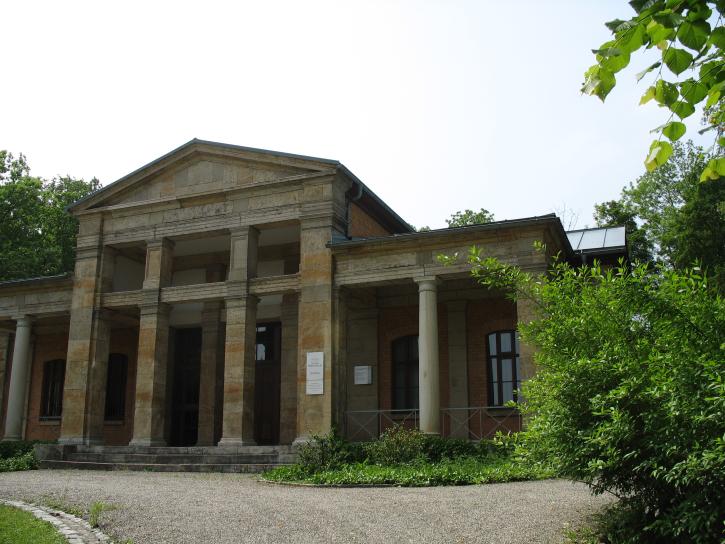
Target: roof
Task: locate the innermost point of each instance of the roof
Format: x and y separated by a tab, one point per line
595	240
378	202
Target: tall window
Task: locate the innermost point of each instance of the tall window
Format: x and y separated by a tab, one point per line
503	367
51	399
116	387
405	373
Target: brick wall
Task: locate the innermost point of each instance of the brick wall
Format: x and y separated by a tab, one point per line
363	225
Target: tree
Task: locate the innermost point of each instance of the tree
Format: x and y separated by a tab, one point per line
671	216
37	235
629	394
469	217
689	44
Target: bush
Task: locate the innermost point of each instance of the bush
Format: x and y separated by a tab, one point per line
26	461
16	448
328	451
630	391
397	445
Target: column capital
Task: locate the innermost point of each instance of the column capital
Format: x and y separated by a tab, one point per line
23	320
427	283
158	243
244	230
158	308
241	302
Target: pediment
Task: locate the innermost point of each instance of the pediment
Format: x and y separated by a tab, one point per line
201	168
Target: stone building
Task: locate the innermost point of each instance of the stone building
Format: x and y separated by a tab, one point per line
236	296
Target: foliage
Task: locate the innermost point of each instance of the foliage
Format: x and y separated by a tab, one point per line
25	461
629	396
469	217
20	527
37	235
690	38
328	451
459	471
95	511
15	448
396	445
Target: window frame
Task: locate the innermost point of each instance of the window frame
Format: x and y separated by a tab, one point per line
514	356
411	392
51	395
118	415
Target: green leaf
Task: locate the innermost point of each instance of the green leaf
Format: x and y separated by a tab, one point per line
614	63
665	93
698	12
714	169
631	39
647	70
614	25
717	38
682	109
712	98
694	34
659	152
598	81
677	60
674	130
658	32
693	91
647	96
721	141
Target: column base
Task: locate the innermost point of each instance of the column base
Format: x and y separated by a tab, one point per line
236	442
71	441
11	439
148	442
301	440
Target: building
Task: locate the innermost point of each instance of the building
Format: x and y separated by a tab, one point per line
236	296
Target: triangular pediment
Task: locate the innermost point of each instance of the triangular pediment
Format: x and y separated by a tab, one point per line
200	167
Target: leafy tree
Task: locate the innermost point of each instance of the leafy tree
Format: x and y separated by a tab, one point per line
690	37
629	394
469	217
37	235
615	213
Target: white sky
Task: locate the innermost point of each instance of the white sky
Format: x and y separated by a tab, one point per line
437	105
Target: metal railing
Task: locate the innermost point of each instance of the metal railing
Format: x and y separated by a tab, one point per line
472	422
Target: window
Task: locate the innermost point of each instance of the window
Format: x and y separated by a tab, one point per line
51	399
405	373
116	387
503	367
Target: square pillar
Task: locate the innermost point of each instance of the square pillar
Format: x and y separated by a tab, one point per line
88	337
243	253
19	373
428	363
151	373
288	371
210	323
239	375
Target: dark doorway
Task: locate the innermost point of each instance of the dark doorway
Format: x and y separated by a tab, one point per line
267	383
185	404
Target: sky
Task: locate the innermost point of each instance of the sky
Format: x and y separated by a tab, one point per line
437	105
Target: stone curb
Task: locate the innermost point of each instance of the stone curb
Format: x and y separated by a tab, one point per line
74	529
330	486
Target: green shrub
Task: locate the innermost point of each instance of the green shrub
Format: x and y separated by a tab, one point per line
15	448
25	461
397	445
437	448
629	395
328	451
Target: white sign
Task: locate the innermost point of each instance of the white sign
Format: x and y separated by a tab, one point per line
363	375
315	373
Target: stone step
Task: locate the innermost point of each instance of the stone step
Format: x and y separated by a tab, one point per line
175	458
152	467
193	450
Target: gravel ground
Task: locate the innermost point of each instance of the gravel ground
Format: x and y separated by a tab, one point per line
229	508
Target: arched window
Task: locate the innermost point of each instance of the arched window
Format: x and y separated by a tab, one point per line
51	398
503	367
116	387
405	373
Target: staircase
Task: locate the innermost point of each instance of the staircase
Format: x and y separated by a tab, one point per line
246	459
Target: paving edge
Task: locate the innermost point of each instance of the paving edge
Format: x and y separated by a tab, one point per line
63	522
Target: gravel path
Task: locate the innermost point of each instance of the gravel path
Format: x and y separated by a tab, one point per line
228	508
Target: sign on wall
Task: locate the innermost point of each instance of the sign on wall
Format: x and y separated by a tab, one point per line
315	373
363	375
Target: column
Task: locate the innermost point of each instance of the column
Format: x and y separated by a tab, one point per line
88	337
18	380
288	371
240	340
239	365
428	366
149	422
210	323
457	368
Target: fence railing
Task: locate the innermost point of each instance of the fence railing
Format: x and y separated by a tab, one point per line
472	422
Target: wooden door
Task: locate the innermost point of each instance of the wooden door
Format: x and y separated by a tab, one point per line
267	383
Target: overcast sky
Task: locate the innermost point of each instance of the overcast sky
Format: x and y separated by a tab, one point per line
437	105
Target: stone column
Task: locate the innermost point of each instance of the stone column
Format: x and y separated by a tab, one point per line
243	253
428	366
4	355
207	380
457	368
288	371
149	422
239	366
153	344
18	380
88	337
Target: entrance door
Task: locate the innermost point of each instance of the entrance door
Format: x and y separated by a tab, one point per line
186	375
267	383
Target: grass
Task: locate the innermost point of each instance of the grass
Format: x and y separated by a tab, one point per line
458	471
95	511
19	527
